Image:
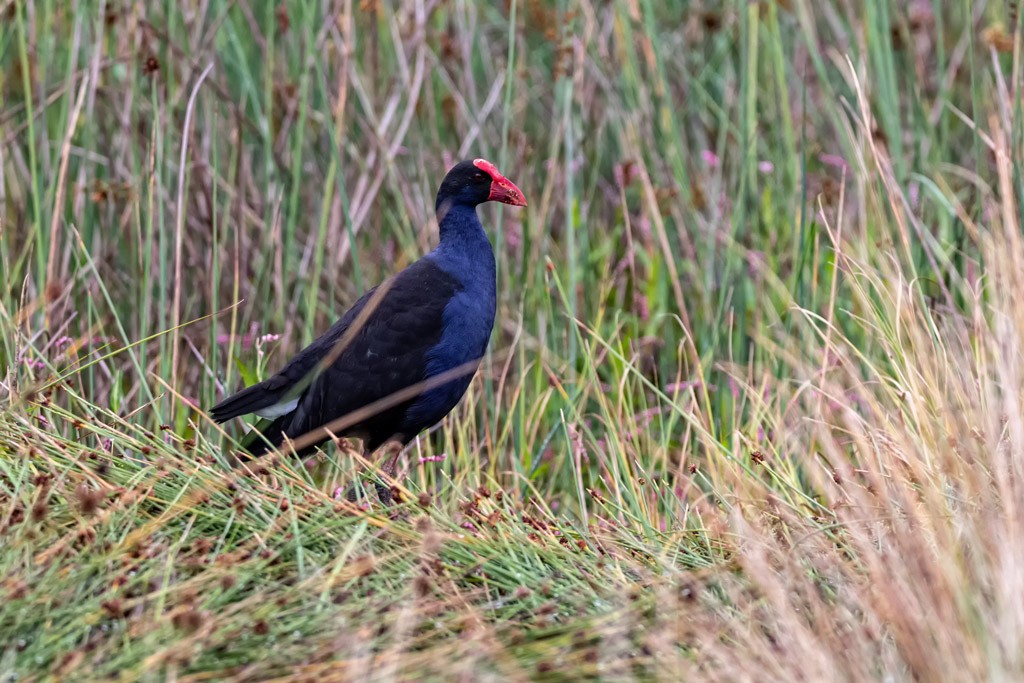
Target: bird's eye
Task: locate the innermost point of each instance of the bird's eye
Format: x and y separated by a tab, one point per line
479	176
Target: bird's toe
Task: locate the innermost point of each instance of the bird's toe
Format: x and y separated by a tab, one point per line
384	494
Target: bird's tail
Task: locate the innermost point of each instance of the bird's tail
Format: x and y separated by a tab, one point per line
248	400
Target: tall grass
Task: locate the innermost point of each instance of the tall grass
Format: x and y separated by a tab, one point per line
751	410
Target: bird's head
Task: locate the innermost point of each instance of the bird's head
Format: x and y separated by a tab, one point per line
476	181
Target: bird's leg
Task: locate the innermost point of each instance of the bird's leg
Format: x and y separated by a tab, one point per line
390	465
389	468
355	491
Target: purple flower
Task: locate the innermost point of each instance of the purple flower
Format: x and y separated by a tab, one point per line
833	160
734	387
643	310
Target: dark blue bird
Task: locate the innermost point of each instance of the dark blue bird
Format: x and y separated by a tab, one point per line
402	357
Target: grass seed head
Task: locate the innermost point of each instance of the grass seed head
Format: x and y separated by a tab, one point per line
189	619
89	499
150	66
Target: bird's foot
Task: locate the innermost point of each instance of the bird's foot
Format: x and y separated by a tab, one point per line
384	494
357	493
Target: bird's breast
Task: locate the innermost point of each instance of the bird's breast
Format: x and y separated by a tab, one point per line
468	315
467	323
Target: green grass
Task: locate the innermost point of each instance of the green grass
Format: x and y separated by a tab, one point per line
751	410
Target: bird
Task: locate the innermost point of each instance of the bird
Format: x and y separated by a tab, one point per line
401	358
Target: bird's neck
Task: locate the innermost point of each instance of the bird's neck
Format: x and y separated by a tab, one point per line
459	223
464	249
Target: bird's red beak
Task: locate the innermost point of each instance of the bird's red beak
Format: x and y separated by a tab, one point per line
502	189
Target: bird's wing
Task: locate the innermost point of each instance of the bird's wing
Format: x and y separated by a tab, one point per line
370	353
388	353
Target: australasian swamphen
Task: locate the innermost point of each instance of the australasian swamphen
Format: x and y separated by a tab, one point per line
403	356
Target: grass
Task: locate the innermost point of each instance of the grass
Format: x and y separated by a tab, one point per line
752	409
